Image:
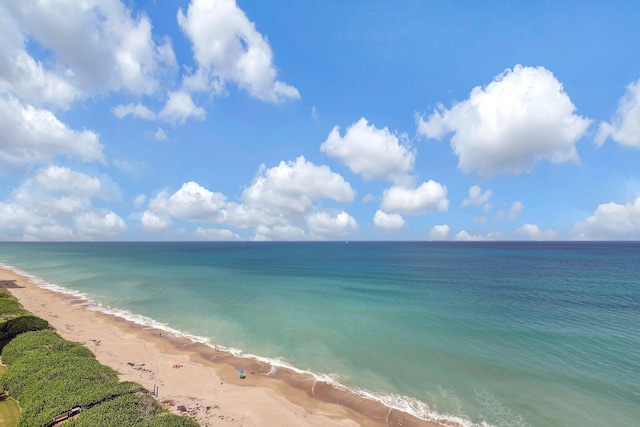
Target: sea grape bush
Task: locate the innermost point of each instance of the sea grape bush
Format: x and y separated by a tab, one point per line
39	341
9	308
50	375
22	324
131	409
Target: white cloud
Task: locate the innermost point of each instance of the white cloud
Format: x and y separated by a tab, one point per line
290	188
215	234
139	200
520	118
227	47
136	110
476	196
464	236
371	152
180	107
243	216
495	235
96	45
191	202
99	224
439	232
153	222
368	198
324	225
160	134
387	221
611	221
516	209
50	232
534	232
430	195
625	124
279	232
15	216
34	136
59	193
53	202
57	178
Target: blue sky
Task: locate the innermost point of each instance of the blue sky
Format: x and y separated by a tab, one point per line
319	120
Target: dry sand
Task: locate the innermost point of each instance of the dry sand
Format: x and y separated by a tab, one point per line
194	379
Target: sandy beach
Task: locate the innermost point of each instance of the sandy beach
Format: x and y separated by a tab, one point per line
198	380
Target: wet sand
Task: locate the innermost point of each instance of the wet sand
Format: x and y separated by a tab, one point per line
197	380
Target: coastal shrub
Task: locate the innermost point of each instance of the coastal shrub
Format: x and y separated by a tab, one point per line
40	340
45	366
9	308
40	406
22	324
50	375
130	410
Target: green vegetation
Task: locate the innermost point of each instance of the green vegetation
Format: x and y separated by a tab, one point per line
132	409
10	308
42	341
49	375
22	324
9	408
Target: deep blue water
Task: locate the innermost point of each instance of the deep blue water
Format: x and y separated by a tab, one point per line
507	333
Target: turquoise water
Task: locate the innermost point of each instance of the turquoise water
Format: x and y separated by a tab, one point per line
509	334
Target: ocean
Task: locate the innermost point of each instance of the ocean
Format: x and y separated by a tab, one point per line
490	333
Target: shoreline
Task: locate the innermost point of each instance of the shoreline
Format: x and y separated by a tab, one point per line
204	382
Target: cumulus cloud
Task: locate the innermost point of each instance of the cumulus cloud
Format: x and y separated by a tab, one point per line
371	152
414	201
464	236
29	135
323	224
520	118
279	232
58	178
516	209
215	234
56	203
227	47
60	193
96	45
291	187
160	134
180	107
190	202
439	232
15	216
99	224
534	233
49	232
153	222
625	124
611	221
476	196
139	200
136	110
387	221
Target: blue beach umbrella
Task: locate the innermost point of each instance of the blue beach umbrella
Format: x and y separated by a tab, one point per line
240	372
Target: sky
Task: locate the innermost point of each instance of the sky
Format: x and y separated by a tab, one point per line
319	120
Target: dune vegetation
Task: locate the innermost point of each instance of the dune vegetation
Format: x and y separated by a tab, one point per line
46	379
